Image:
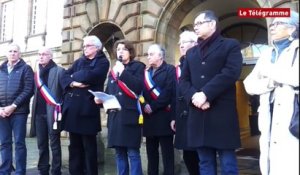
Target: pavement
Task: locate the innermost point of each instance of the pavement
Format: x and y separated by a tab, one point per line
247	159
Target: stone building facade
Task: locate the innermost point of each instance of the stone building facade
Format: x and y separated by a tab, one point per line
61	25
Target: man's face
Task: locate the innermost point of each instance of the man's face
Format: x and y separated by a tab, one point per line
44	57
90	49
185	44
13	54
203	27
154	56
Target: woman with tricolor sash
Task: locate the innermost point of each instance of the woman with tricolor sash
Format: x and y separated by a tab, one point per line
125	81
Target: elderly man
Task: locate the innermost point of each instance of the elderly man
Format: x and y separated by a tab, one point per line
208	86
16	89
159	92
187	40
46	108
81	115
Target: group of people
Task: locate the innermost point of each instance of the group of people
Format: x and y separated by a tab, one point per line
195	100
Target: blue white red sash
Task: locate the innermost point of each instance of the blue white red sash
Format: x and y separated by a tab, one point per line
48	97
178	72
131	94
150	85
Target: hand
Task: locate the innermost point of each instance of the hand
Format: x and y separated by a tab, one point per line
205	106
8	110
78	84
147	109
173	125
119	67
2	113
97	100
198	99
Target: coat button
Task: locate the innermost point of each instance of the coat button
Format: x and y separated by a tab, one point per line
202	76
112	81
120	93
184	112
203	62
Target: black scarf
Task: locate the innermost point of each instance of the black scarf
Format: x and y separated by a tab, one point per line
44	71
205	44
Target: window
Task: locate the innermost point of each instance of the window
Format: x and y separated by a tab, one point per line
6	21
38	17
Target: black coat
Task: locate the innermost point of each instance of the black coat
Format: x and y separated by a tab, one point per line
158	122
123	127
80	113
180	141
55	74
215	73
16	87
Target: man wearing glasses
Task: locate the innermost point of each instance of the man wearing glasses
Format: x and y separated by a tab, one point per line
208	85
81	116
46	107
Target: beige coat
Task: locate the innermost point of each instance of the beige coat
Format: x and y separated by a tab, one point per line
279	149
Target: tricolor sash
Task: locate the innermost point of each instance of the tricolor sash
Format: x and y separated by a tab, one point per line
48	97
150	85
131	94
178	72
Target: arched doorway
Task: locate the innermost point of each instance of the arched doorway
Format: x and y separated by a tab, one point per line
180	16
108	33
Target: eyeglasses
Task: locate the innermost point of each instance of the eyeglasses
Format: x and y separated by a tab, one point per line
199	23
43	54
275	24
88	45
184	42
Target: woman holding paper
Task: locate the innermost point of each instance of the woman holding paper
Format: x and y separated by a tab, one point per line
125	81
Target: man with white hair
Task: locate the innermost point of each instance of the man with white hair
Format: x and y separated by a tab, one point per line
187	40
159	92
16	89
81	115
46	109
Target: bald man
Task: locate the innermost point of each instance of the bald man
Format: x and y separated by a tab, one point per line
44	124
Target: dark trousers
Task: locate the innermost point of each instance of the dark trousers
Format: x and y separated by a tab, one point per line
83	155
167	150
44	133
191	161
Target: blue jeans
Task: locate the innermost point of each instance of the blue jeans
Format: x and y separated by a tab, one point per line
122	156
13	124
208	162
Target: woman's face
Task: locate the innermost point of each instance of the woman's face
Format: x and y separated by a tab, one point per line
123	52
280	29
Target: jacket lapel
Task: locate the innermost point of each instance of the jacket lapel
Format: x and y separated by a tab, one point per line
213	46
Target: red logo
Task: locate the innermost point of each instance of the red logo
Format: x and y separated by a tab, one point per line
263	12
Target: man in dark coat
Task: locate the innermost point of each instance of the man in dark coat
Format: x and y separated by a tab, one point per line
81	116
46	109
187	40
208	84
16	89
125	81
159	92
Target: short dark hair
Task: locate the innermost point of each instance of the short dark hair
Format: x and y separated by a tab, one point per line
128	45
210	15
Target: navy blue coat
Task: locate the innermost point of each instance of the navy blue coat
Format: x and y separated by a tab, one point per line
80	113
17	86
215	73
158	122
123	127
